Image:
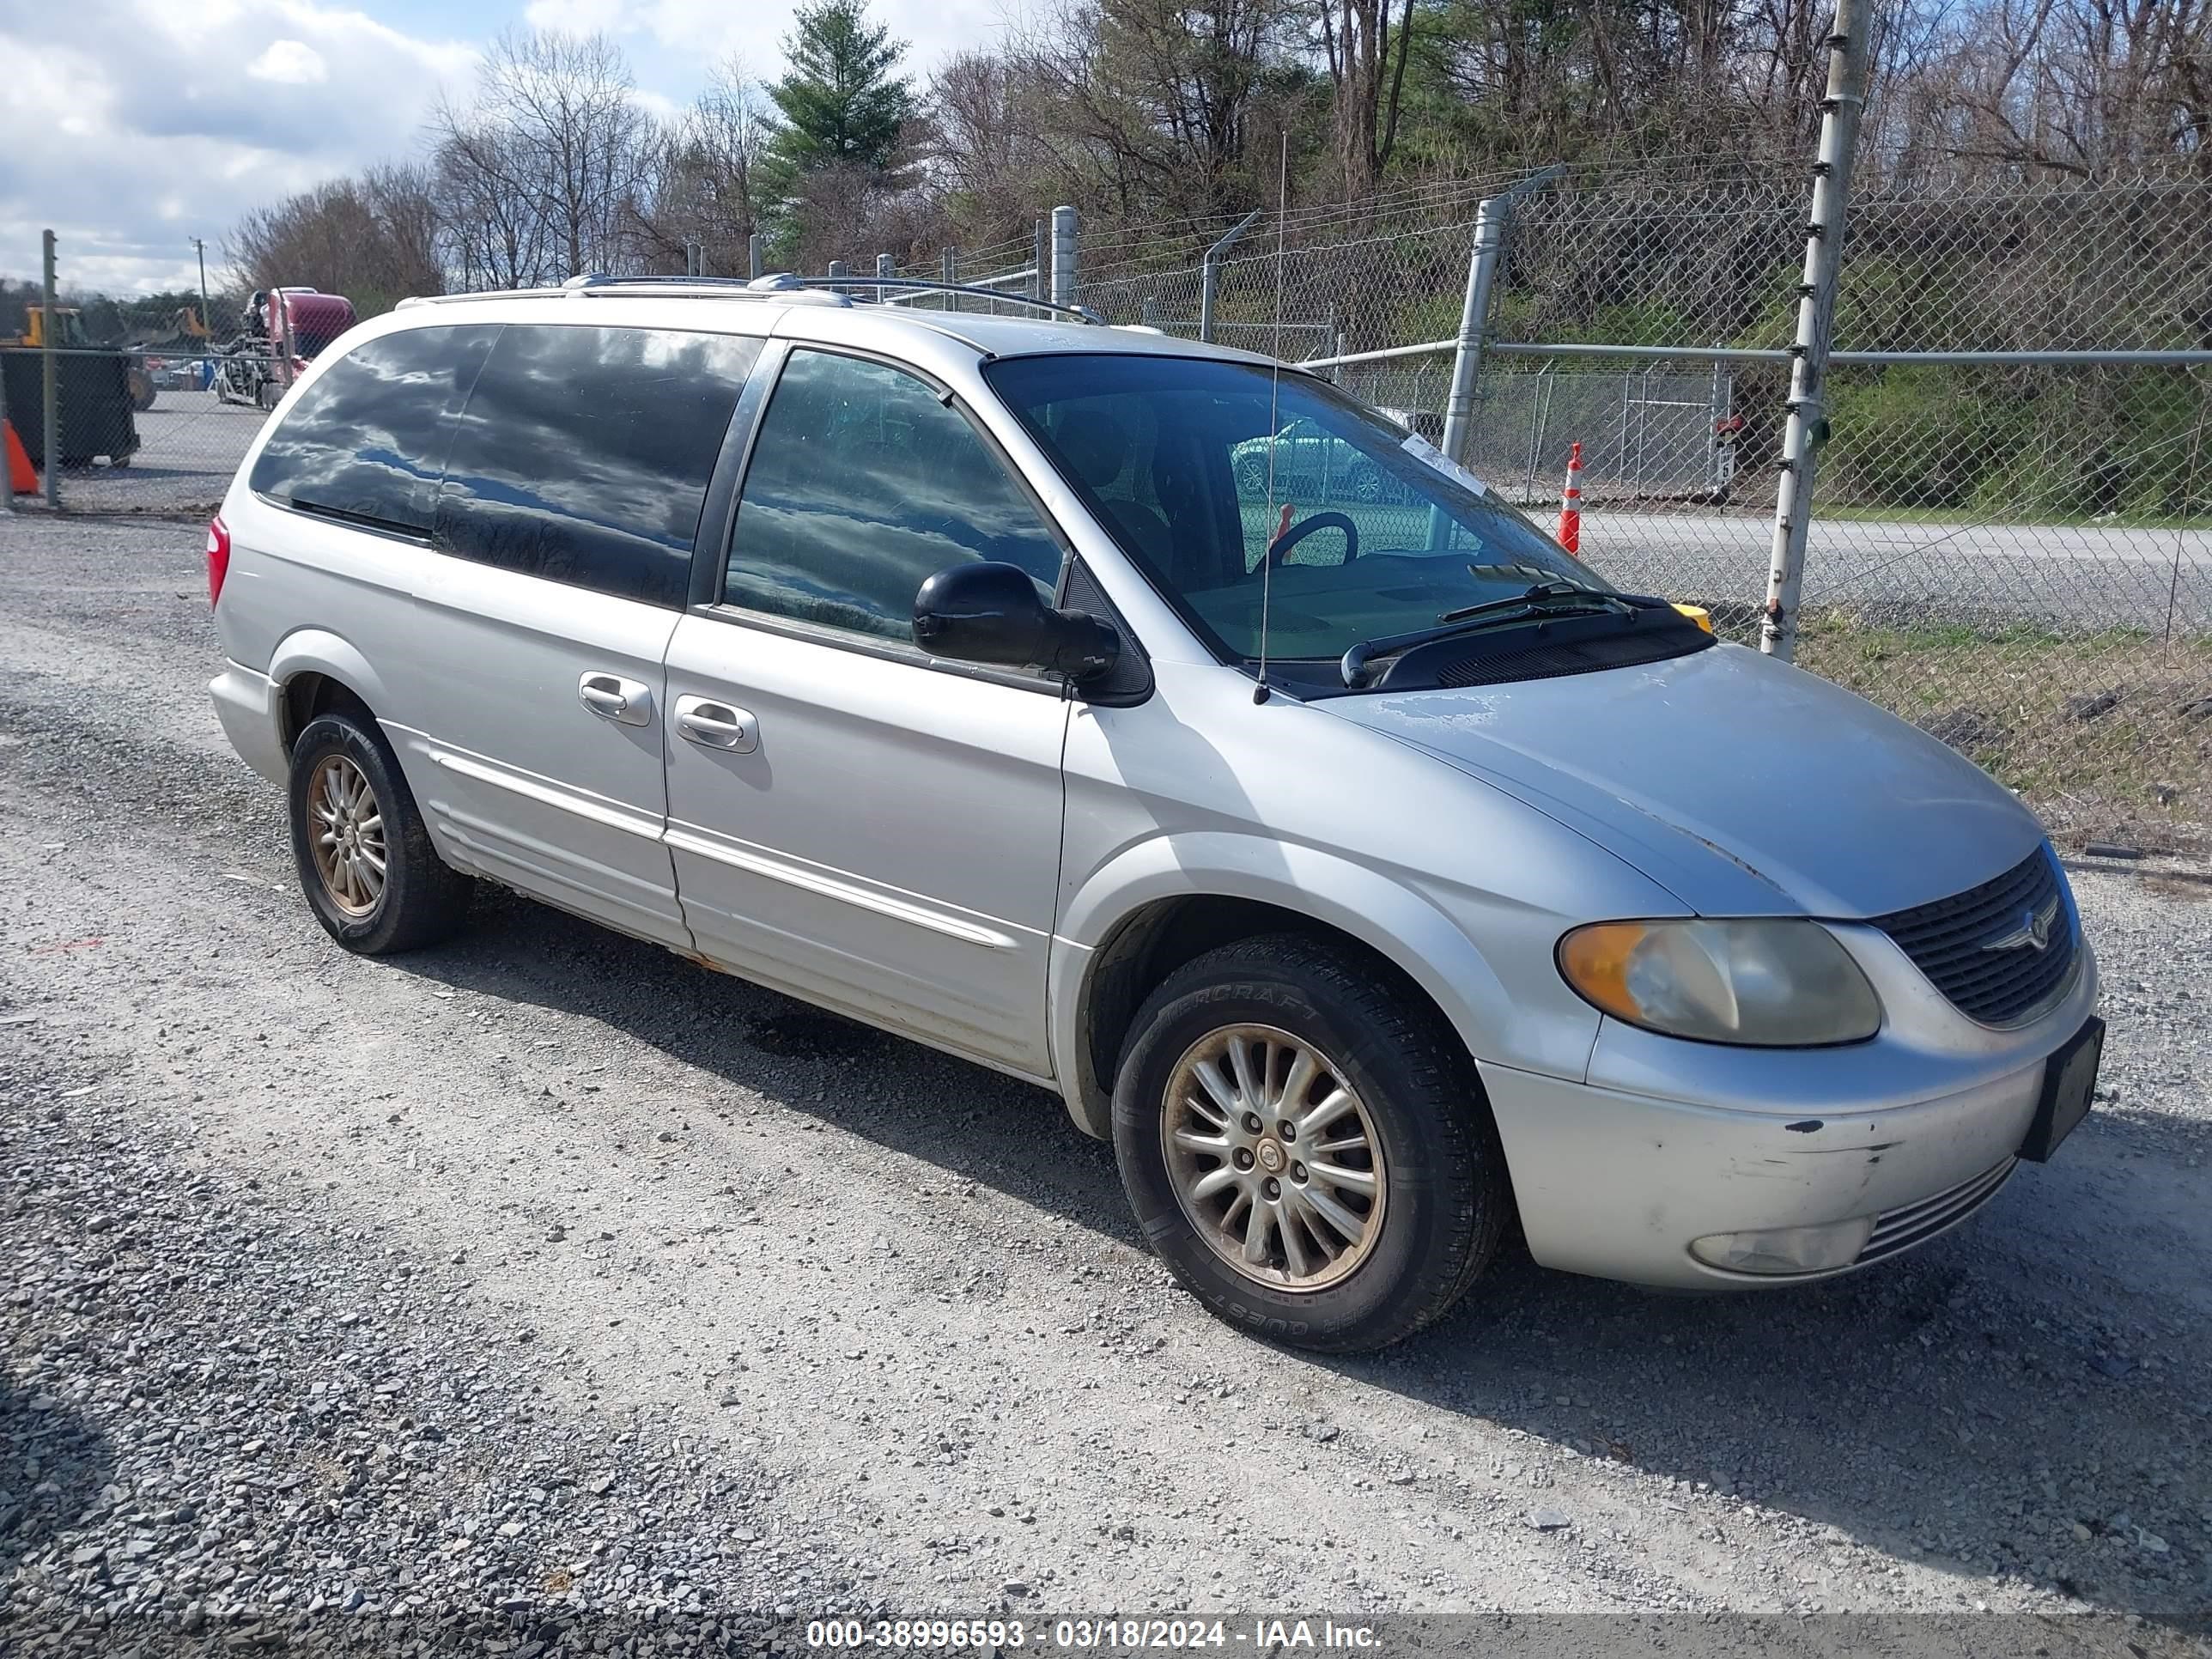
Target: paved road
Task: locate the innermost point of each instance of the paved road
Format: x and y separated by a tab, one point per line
2076	573
546	1273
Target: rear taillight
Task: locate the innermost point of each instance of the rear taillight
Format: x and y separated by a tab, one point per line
218	558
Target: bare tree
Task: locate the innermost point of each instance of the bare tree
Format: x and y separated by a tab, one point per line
370	238
486	206
1151	100
700	182
543	166
1366	59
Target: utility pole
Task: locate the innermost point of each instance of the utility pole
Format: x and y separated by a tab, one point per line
199	247
1808	428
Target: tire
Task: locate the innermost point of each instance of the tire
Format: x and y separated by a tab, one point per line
1252	476
1441	1199
420	901
1366	482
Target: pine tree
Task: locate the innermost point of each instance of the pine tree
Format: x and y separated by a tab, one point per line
840	105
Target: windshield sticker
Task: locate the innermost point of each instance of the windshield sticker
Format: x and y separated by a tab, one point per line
1421	449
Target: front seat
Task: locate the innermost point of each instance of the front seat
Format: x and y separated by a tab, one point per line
1098	447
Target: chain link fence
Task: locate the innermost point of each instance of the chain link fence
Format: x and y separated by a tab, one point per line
2011	541
140	430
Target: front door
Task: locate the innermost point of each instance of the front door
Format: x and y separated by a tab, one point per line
851	819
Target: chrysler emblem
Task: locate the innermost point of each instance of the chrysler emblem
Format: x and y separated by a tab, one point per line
2033	931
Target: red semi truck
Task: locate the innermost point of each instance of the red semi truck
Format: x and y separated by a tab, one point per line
285	329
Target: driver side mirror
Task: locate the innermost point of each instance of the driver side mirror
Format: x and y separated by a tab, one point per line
989	612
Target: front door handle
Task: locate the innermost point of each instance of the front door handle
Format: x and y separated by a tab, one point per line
611	697
716	725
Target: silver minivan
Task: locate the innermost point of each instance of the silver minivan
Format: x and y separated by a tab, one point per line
1157	724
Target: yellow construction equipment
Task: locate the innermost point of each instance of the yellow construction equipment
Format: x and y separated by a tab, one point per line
70	335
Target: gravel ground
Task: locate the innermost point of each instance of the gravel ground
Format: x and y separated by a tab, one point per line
190	445
545	1282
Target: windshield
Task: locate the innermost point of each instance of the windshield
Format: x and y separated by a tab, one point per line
1190	462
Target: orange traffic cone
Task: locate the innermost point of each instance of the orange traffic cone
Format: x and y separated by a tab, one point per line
1570	504
21	480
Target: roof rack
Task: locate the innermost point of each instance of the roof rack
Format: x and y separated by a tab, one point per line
720	288
784	283
781	287
599	284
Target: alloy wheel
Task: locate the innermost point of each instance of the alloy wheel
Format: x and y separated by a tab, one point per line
348	825
1273	1157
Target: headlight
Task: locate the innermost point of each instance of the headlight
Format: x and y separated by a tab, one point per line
1777	984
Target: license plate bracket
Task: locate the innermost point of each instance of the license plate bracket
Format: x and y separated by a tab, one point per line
2070	1085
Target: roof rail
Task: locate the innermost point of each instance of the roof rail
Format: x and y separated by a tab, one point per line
784	282
782	287
477	294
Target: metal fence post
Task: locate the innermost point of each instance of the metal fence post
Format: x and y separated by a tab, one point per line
1491	219
1807	427
1040	261
1209	272
885	269
836	268
1063	256
753	256
48	365
1474	310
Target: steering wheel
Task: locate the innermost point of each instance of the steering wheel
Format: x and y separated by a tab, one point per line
1278	551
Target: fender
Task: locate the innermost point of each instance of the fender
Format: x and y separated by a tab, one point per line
317	651
1394	920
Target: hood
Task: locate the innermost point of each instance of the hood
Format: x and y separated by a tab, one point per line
1742	784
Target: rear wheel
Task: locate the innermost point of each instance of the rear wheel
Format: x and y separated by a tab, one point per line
365	859
1307	1147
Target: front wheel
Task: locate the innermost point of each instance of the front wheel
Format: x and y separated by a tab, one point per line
1307	1147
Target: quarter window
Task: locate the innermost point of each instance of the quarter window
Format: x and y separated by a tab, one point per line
863	483
366	441
584	453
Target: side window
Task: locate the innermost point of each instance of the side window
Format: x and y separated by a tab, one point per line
862	485
583	455
368	439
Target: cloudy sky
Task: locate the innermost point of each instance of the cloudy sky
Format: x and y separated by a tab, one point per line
155	121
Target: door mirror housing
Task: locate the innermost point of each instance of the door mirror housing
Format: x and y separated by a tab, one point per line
989	612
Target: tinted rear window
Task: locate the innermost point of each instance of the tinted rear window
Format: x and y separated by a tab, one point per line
368	439
584	453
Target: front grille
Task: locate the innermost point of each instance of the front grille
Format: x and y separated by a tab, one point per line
1912	1224
1950	940
1546	662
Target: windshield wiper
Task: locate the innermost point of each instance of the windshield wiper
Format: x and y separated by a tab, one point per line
1557	588
1543	597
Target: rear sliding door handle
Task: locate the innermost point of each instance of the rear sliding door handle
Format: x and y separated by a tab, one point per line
716	725
611	697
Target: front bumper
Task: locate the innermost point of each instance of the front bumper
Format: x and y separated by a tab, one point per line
1667	1142
250	706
